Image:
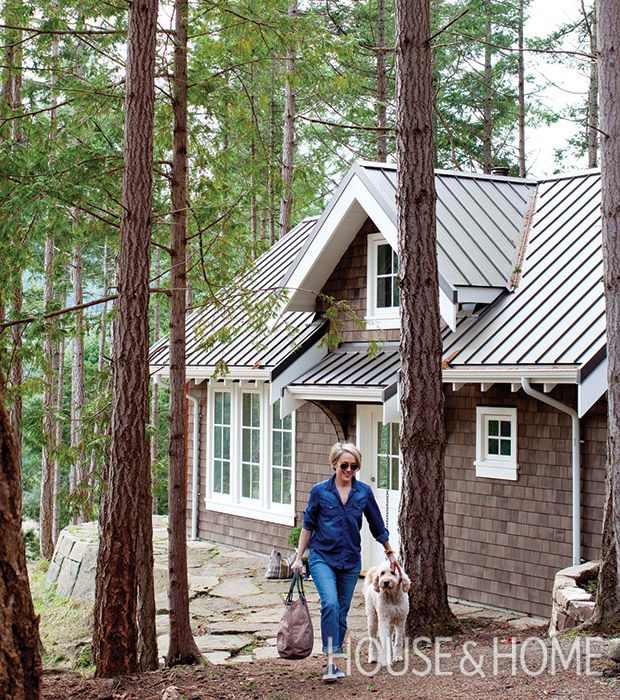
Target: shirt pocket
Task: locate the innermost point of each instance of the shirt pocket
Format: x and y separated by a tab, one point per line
330	510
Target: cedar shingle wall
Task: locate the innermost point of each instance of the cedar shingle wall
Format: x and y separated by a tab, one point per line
506	540
348	281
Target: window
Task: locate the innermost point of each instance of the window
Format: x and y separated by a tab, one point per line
496	442
221	442
250	450
388	456
281	457
382	283
250	453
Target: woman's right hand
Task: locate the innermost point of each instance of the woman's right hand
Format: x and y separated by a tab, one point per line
298	566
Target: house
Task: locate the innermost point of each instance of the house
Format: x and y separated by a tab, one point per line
521	299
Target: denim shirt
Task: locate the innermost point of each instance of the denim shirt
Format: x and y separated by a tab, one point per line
336	527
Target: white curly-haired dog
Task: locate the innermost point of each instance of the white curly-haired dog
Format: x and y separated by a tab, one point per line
387	605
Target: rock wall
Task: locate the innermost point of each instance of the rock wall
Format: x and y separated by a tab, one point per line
572	604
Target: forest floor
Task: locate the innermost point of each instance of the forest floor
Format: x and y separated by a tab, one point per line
446	671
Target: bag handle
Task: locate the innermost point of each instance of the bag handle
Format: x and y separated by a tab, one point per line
298	583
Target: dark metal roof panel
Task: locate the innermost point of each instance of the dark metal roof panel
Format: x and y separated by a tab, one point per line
479	222
556	316
351	365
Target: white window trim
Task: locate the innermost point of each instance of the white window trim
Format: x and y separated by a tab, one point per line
495	466
233	503
377	318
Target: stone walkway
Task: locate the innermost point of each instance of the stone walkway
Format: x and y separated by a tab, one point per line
234	610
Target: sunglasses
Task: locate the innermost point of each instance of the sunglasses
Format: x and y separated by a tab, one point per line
353	467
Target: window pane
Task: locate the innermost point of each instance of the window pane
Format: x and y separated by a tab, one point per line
287	423
226	442
384	439
394	262
395	292
217	476
218	408
226	409
384	259
287	452
255	410
275	415
505	428
287	483
383	475
255	481
226	477
245	481
493	446
247	409
276	485
395	470
217	443
493	427
384	292
277	448
245	445
255	445
395	439
505	447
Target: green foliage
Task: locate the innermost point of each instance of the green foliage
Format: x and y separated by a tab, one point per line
31	543
293	536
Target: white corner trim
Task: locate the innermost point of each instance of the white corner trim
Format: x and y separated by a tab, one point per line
592	388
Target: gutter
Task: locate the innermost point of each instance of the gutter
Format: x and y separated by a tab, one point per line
576	462
195	463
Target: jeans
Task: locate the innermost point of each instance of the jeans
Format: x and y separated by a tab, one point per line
335	587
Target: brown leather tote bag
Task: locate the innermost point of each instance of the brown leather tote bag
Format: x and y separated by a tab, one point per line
295	635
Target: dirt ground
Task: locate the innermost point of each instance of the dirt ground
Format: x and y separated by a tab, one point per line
469	666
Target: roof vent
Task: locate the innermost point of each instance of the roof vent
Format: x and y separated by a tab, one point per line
500	170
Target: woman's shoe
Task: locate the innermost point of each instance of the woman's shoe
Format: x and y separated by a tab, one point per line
332	673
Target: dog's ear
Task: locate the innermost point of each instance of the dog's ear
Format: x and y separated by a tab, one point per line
405	581
375	579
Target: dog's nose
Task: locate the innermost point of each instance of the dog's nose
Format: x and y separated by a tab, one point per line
386	584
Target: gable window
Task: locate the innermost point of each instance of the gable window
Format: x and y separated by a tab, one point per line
382	283
496	442
250	453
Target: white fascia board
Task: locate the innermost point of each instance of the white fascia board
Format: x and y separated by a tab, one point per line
592	388
241	373
478	295
510	375
447	309
300	366
336	393
391	408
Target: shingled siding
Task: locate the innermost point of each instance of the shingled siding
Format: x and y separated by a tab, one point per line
506	540
348	281
315	435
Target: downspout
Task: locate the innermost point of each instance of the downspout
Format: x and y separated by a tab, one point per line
576	463
195	463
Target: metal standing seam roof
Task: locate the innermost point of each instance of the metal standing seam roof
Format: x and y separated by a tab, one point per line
479	221
556	316
351	366
247	348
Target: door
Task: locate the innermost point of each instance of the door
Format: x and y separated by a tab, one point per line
379	444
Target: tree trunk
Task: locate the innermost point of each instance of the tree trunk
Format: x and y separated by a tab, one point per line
487	99
20	660
422	432
46	514
16	372
288	142
271	189
521	78
59	371
607	602
182	649
592	113
155	391
381	83
78	465
125	512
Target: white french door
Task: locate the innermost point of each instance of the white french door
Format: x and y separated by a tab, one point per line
379	444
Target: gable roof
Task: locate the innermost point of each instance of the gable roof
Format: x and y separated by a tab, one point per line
480	221
248	351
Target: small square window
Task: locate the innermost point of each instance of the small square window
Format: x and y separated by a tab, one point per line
496	443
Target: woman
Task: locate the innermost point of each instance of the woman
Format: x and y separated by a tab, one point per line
332	524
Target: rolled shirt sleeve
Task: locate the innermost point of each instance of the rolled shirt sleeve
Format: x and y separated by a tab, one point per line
312	510
375	519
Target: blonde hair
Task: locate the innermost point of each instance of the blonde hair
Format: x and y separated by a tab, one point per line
339	448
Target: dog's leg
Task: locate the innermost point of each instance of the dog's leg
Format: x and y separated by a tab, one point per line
385	641
371	616
399	637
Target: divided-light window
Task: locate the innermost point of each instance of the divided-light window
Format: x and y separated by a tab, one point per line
382	283
496	442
